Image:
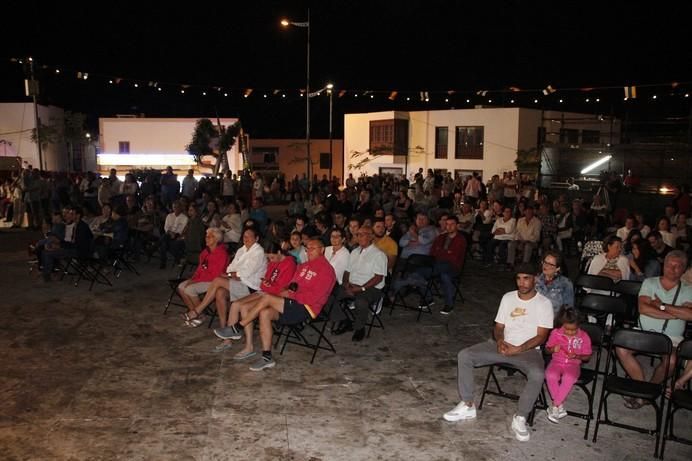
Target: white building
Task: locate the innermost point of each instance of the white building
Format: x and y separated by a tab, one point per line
129	142
461	141
17	123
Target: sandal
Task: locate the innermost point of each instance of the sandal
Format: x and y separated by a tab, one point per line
188	316
635	404
195	322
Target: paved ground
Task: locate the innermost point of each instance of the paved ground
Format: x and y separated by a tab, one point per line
104	375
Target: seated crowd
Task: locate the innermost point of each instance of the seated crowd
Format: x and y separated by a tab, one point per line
346	250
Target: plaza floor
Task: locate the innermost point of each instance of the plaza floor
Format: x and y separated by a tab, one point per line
104	375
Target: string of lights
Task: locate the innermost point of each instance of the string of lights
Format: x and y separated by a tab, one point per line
506	96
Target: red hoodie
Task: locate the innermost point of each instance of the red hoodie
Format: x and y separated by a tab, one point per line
315	281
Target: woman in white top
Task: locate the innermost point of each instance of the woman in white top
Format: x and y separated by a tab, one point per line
244	273
611	263
231	224
337	254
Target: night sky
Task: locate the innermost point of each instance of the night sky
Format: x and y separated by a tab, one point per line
376	46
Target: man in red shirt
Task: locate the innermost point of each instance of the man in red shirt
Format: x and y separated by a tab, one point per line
449	251
304	298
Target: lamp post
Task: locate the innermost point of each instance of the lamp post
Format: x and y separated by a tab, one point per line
306	24
330	91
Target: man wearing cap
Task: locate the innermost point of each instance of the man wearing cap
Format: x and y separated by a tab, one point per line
522	324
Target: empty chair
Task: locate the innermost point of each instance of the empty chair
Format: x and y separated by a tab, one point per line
646	342
586	282
629	292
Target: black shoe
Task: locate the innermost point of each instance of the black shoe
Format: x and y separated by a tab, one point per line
446	310
358	335
342	327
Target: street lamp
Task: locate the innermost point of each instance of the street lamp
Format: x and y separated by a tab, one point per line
305	24
330	91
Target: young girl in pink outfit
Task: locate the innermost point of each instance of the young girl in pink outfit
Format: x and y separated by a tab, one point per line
570	346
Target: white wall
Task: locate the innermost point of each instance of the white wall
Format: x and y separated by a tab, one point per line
17	123
506	130
500	140
155	136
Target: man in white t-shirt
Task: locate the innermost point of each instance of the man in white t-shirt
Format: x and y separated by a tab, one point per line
522	324
363	281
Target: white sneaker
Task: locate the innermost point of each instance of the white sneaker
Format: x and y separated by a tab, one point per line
520	430
553	414
461	411
561	412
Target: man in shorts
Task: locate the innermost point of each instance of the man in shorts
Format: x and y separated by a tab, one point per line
303	299
665	305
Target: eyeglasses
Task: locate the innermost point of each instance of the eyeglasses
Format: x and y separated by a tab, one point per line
313	248
546	263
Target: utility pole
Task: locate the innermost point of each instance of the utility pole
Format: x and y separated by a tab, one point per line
31	88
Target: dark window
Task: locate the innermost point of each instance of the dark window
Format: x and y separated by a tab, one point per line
469	142
325	161
264	158
124	147
591	137
441	135
389	137
569	136
540	136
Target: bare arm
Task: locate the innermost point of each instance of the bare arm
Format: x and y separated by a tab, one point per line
652	308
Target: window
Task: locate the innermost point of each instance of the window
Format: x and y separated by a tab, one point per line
540	135
325	160
441	135
389	137
124	147
569	136
591	137
264	158
469	142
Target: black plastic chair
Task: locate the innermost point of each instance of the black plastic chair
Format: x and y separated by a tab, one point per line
511	370
629	292
600	306
589	376
189	265
593	282
679	398
646	342
298	333
414	263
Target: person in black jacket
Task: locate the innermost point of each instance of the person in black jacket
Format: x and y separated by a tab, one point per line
77	243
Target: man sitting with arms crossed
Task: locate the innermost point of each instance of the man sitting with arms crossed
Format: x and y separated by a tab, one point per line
522	324
303	299
665	305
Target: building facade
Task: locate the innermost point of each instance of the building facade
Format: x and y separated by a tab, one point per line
17	123
485	140
128	143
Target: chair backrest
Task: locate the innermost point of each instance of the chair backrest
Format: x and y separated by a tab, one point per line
595	282
595	332
627	287
604	304
685	350
648	342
